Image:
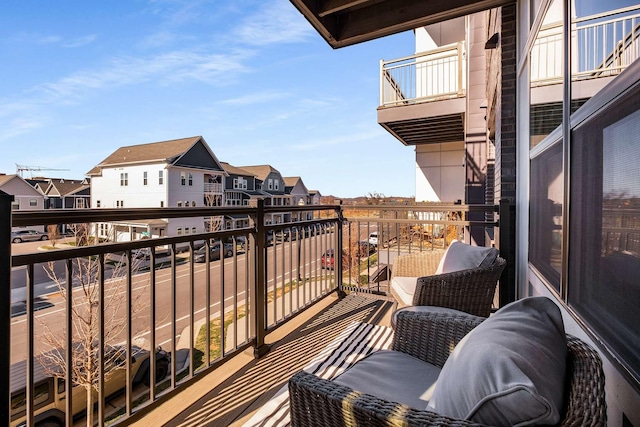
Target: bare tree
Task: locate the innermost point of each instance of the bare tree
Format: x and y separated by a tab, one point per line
86	312
52	232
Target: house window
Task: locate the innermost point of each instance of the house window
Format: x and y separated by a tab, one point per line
190	179
160	178
162	203
179	204
193	203
144	178
15	205
179	231
193	230
183	178
124	179
186	230
270	184
276	184
98	203
240	183
119	203
80	203
33	203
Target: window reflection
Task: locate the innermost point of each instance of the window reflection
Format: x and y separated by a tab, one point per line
546	62
545	251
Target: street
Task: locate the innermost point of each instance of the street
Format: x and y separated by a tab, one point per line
52	316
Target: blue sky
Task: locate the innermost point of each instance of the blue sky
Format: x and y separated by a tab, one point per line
82	78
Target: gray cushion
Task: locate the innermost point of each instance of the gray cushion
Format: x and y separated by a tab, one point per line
393	376
508	371
460	256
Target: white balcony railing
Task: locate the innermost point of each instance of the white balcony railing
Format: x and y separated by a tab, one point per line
603	45
213	187
427	76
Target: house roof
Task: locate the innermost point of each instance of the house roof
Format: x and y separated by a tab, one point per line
10	188
260	171
291	181
65	188
234	170
170	152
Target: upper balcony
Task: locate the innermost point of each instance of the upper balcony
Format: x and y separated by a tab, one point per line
422	97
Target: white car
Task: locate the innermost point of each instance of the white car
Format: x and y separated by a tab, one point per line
373	238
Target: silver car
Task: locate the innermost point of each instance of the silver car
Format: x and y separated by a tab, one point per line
19	236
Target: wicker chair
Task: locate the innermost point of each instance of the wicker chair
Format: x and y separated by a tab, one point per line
471	291
315	402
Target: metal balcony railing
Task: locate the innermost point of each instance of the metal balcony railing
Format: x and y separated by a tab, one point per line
603	45
113	299
134	298
427	76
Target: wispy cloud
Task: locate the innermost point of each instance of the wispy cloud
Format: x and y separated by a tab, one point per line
80	41
171	66
275	22
256	98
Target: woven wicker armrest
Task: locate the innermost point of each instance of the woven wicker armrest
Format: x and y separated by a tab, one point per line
471	291
316	402
416	264
431	335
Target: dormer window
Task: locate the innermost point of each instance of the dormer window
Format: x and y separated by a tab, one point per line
276	184
270	184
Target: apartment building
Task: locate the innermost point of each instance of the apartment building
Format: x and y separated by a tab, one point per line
176	173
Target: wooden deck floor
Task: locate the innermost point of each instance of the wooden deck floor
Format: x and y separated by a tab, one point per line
231	394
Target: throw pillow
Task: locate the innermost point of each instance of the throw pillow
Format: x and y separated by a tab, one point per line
460	256
508	371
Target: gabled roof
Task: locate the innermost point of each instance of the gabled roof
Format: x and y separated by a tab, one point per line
186	152
234	170
65	188
260	171
290	183
6	181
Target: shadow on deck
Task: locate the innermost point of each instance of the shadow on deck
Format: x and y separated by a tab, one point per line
231	394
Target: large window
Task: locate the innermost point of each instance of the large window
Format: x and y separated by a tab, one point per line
604	261
124	179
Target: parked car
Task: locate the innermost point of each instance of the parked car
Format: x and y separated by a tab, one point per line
327	261
20	236
50	404
214	252
373	238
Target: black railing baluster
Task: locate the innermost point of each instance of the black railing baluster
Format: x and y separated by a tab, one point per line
5	304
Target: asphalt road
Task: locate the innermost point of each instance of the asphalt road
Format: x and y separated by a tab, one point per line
52	316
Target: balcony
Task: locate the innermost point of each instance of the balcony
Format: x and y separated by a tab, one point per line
270	304
422	97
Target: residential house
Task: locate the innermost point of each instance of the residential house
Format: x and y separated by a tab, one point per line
67	194
270	181
294	186
315	198
239	190
177	173
549	89
25	197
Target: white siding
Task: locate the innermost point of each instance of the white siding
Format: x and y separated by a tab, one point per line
107	190
440	172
